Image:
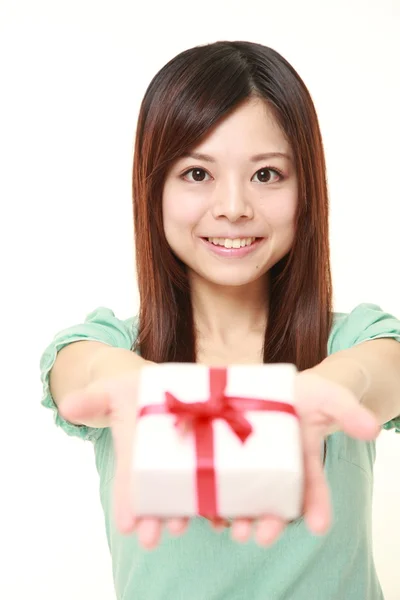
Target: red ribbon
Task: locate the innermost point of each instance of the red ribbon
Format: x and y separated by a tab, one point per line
200	416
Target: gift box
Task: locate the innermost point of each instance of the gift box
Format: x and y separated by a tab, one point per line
240	452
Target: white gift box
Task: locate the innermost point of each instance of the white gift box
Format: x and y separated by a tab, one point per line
262	475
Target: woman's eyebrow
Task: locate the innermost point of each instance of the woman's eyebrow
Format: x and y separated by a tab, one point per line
255	158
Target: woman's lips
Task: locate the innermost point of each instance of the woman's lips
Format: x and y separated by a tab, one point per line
233	252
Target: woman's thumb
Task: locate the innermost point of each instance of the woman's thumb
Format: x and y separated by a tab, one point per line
86	407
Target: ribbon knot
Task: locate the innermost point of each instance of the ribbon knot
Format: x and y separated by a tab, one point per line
218	406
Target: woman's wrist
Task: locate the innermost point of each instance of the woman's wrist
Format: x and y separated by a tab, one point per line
109	361
347	371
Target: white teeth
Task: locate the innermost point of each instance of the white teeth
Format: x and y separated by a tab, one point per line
232	243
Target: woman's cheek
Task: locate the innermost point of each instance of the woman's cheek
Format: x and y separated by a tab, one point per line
186	214
282	211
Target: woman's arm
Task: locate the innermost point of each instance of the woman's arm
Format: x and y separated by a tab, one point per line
371	370
81	364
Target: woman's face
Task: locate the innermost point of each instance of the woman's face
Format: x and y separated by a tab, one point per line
229	208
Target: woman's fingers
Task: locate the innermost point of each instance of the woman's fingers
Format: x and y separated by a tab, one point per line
347	415
95	403
177	526
333	406
268	529
122	423
353	418
85	405
123	514
317	506
325	407
242	529
149	532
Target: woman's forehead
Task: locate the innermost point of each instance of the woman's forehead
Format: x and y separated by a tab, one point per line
249	132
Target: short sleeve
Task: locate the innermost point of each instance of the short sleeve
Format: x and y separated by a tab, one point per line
365	322
101	325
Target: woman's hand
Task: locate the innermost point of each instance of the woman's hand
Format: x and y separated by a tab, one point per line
114	400
323	407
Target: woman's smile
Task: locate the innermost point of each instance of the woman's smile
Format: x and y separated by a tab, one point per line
233	247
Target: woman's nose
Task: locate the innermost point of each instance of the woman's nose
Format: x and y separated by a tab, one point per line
232	205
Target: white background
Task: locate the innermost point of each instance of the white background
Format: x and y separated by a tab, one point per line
72	77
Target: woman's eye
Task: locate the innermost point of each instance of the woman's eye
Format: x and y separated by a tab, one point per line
268	175
264	175
198	174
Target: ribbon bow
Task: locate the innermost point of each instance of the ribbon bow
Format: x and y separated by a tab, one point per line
218	406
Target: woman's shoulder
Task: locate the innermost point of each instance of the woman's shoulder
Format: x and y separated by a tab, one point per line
364	322
120	332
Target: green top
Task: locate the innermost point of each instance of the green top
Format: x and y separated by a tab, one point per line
207	565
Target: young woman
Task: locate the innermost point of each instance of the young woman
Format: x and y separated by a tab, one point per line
231	231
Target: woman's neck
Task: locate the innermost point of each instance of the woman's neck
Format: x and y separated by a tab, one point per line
224	315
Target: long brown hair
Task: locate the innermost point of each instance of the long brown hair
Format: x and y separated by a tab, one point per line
186	98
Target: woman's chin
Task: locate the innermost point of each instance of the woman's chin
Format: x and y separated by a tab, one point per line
230	279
